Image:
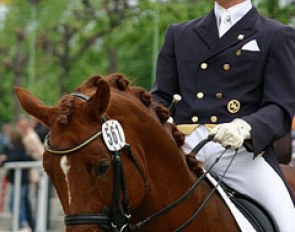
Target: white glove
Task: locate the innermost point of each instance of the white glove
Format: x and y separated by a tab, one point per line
231	134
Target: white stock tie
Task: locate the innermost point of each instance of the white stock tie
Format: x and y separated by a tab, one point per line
225	23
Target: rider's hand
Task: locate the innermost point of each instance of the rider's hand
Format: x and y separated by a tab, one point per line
231	134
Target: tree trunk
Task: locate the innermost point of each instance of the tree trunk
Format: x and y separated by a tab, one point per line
113	61
19	66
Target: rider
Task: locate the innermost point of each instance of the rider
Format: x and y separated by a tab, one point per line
235	72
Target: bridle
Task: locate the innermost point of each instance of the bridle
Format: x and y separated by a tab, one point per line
118	217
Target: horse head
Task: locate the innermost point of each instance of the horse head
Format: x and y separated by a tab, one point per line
100	185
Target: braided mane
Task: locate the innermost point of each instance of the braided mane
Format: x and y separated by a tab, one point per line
66	107
121	83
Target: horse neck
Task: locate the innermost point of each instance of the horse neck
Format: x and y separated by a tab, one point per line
167	173
167	169
168	179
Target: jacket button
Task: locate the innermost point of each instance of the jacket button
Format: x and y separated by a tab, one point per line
239	52
219	96
241	37
204	66
200	95
195	119
214	119
226	67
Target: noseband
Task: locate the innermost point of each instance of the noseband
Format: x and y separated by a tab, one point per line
117	218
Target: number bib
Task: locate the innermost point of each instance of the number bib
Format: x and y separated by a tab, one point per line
113	135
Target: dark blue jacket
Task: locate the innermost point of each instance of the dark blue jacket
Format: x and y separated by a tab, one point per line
195	60
218	81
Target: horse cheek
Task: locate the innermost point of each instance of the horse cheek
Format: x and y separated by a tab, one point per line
135	188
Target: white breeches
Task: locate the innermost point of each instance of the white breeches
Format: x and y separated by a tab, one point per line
254	177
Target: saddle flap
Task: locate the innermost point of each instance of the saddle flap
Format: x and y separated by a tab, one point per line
257	215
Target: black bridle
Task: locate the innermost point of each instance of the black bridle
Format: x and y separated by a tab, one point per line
118	217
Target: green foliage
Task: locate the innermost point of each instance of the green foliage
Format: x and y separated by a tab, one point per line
6	98
76	39
272	9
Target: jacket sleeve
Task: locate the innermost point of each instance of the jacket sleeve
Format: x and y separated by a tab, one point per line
273	119
166	83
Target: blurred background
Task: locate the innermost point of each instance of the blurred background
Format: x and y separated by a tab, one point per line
49	47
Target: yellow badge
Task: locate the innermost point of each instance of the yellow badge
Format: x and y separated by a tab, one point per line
233	106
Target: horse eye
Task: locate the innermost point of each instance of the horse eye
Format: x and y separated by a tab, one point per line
101	168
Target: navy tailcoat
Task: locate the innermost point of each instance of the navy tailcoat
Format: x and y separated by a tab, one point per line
221	79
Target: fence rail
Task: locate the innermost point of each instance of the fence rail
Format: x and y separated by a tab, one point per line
41	209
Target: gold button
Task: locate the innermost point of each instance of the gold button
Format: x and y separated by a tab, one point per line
204	66
219	96
241	37
239	52
214	119
233	106
226	67
195	119
200	95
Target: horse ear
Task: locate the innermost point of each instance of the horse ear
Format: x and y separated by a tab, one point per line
99	102
33	105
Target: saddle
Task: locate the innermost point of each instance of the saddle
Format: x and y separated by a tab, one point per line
252	210
257	215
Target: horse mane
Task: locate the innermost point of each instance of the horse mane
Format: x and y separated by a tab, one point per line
121	83
66	107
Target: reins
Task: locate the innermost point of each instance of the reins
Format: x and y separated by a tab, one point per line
174	204
167	208
210	194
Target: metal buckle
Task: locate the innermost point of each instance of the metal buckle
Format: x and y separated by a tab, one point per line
121	229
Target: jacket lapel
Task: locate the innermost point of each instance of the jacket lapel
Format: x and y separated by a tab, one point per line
207	30
240	31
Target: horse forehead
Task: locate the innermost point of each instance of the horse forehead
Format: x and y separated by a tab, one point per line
67	101
67	111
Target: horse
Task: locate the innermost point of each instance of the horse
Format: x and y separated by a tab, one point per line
117	164
283	149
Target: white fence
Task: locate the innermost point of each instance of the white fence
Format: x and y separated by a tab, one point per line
41	209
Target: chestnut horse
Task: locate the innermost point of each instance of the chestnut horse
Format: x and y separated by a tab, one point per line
143	185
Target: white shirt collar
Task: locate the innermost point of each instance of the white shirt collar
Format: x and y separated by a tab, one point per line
236	12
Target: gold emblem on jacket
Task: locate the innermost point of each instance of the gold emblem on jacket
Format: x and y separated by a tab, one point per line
233	106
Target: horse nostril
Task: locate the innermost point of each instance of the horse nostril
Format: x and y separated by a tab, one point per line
101	168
